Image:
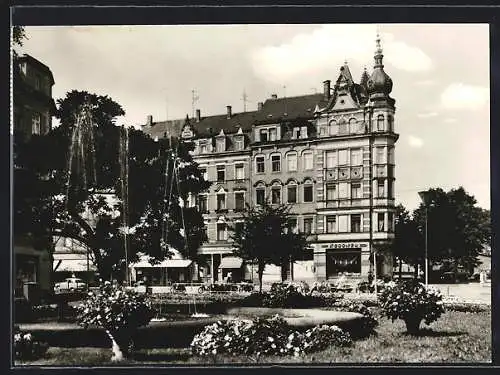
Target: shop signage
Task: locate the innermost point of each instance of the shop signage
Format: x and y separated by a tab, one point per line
344	245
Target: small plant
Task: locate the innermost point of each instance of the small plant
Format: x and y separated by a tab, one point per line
411	302
120	312
270	336
26	348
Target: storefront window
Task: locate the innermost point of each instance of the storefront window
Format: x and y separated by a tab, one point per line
339	262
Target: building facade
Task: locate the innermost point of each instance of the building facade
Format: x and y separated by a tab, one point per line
33	108
329	155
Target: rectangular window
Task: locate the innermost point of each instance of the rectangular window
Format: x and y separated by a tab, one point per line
342	223
221	232
380	222
342	157
36	122
221	145
308	193
203	148
239	200
238	144
292	194
391	155
341	262
296	133
379	157
390	189
292	162
343	192
390	222
238	226
221	201
276	195
239	171
380	189
292	224
308	225
263	135
356	223
356	158
272	134
355	191
331	159
331	224
275	163
308	161
221	173
260	195
204	174
259	160
331	192
202	203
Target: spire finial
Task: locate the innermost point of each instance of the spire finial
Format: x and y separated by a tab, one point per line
378	52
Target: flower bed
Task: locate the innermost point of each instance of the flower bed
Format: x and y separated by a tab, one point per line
272	336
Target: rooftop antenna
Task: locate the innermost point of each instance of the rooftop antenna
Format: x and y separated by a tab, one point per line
245	99
194	100
284	102
166	108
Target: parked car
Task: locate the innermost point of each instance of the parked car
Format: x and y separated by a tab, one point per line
71	284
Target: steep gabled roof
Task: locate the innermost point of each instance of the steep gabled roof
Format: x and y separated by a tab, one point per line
41	66
275	110
162	129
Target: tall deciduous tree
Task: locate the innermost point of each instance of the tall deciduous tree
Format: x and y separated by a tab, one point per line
408	241
69	195
457	228
266	237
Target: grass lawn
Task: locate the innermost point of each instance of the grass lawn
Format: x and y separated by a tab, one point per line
456	337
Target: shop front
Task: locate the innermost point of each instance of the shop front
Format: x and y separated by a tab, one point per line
341	259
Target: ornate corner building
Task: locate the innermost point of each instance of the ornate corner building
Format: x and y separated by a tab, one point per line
329	155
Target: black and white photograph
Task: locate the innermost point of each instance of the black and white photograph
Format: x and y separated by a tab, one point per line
250	194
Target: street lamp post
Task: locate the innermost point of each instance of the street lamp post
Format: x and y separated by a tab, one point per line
424	195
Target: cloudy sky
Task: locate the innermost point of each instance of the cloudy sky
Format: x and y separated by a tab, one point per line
440	74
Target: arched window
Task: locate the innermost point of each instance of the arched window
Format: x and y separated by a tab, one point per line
380	123
291	161
276	193
353	125
291	191
308	191
332	127
260	193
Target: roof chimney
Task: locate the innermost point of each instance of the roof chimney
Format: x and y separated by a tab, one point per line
260	105
198	115
149	120
326	89
229	112
274	96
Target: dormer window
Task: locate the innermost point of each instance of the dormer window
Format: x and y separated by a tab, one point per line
238	143
263	135
272	134
296	133
221	144
203	148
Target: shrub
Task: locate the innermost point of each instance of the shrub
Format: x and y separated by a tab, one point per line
467	307
119	311
411	302
26	347
264	336
284	295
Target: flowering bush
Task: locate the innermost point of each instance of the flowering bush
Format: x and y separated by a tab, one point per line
411	302
265	336
26	348
119	311
283	295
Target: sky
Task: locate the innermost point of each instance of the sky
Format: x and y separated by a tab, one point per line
440	74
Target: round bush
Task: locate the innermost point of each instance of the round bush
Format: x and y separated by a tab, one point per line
411	302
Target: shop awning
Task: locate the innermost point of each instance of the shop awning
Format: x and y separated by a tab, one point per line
167	263
72	265
231	262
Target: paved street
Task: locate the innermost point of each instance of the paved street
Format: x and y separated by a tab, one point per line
469	292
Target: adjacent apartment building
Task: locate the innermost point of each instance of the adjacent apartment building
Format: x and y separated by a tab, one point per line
329	155
33	107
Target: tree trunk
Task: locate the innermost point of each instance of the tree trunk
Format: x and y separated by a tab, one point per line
400	268
283	270
115	347
412	324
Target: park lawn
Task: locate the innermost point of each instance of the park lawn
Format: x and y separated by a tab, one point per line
457	337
